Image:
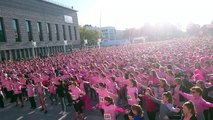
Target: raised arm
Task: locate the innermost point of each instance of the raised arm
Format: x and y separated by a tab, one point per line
120	109
143	86
172	108
187	96
94	87
154	99
112	95
206	104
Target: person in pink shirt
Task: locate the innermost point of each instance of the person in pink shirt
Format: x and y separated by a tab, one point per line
76	95
170	77
179	99
161	72
153	77
40	91
104	79
102	92
198	69
197	75
150	105
17	92
199	103
189	112
8	85
113	85
163	87
31	94
85	87
132	92
53	95
110	109
22	80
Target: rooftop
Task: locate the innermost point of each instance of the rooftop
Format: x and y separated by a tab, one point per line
59	4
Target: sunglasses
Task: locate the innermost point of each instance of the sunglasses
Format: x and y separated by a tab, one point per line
193	92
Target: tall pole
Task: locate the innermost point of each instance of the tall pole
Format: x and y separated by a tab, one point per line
33	48
33	52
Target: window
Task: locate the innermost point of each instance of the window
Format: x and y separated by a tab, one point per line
75	33
22	53
13	54
70	32
57	32
29	30
16	30
18	54
49	32
40	32
64	32
2	31
27	53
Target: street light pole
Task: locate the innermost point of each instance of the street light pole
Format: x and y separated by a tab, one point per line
65	43
33	49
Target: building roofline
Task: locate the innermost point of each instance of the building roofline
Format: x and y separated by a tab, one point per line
58	4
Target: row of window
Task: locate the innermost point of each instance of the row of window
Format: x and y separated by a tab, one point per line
28	52
15	25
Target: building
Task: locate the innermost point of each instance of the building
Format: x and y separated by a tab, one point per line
109	33
30	28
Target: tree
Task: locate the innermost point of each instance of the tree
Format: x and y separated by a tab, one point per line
90	34
193	29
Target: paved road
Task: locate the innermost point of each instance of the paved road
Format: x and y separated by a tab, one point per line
11	112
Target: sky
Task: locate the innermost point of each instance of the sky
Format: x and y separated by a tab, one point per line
124	14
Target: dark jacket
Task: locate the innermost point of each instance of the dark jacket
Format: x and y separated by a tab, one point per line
183	89
206	91
60	91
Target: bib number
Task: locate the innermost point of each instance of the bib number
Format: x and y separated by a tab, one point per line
107	117
129	97
101	99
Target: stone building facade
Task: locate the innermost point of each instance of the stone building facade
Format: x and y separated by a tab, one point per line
30	28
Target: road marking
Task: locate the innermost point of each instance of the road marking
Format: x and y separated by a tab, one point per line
21	117
62	117
31	112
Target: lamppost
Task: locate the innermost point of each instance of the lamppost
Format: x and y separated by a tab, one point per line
33	49
99	42
85	43
71	47
65	43
48	51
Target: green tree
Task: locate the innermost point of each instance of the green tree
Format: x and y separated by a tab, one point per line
91	34
193	29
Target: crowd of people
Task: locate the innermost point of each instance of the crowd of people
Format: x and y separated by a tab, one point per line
155	80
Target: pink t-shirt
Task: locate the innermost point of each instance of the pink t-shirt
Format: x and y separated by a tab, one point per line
17	88
23	80
154	80
75	92
110	110
30	90
131	92
8	85
40	89
199	103
52	89
176	96
160	92
102	94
